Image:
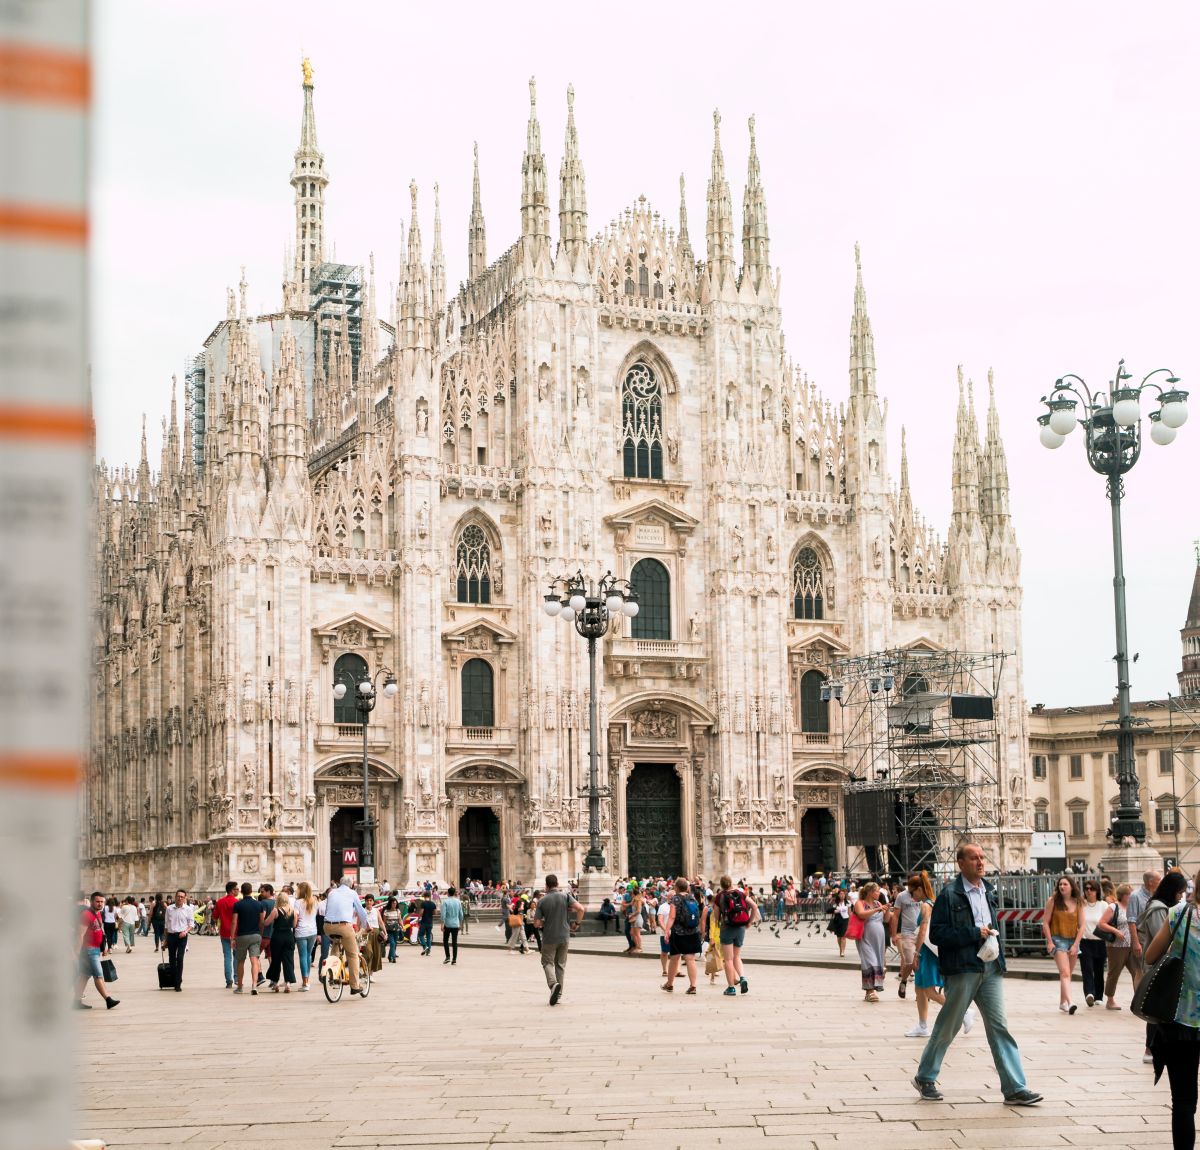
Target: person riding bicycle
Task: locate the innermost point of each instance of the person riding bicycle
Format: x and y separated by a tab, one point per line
343	911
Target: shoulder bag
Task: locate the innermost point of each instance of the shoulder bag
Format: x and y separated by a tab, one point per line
1157	996
855	927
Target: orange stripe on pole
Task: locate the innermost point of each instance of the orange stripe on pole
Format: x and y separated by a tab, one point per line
70	423
40	772
44	76
21	221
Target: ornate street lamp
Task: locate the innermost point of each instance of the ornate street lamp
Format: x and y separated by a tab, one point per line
591	605
1113	440
366	694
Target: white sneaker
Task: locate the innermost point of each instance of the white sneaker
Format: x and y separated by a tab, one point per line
917	1031
1148	1057
968	1020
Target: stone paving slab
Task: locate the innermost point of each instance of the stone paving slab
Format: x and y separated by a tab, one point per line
473	1056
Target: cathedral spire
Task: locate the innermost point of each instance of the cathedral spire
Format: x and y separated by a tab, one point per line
756	248
308	183
905	490
685	242
862	342
965	477
437	263
720	212
414	308
143	473
535	219
476	232
170	446
995	464
572	194
1189	674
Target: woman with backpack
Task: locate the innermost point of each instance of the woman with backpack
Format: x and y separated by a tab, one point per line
682	927
736	910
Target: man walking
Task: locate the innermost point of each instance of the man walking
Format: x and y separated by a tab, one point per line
552	919
247	937
452	920
223	912
266	898
964	929
1138	901
91	946
180	920
906	914
425	931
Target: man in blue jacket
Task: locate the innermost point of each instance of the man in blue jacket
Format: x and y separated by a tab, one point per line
964	918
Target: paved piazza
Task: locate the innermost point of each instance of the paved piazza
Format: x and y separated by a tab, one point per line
472	1055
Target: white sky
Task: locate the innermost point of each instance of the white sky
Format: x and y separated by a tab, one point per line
1022	180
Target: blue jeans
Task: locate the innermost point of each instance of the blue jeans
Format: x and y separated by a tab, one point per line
304	949
986	990
227	953
393	942
425	936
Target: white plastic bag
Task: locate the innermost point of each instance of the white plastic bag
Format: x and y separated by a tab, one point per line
990	950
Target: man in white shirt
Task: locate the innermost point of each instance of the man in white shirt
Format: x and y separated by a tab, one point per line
181	917
963	921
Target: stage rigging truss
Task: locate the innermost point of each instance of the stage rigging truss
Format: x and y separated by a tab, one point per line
1183	730
921	748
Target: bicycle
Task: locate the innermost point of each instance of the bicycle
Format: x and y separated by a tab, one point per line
335	975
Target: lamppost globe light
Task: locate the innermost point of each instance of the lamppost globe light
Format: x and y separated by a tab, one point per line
1160	431
614	602
366	689
1174	408
1126	410
552	604
631	606
567	612
577	601
339	690
1049	437
1062	416
390	688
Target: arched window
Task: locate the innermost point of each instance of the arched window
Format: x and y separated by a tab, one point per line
814	712
808	585
641	424
914	684
652	582
350	669
473	566
478	696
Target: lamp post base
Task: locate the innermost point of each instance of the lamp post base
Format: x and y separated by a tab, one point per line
1128	864
594	888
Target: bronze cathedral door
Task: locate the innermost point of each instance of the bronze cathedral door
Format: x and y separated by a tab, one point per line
653	831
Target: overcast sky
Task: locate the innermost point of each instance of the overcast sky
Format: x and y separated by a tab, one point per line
1022	179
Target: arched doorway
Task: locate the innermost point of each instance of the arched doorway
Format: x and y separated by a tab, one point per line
479	854
653	832
343	832
818	836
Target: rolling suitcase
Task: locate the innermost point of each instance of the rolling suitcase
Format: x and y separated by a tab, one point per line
165	981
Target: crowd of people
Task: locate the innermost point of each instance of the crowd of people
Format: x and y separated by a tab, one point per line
947	944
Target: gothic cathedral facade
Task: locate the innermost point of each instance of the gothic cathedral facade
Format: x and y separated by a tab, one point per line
350	495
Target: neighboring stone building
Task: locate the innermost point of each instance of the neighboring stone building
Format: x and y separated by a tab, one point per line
348	494
1073	765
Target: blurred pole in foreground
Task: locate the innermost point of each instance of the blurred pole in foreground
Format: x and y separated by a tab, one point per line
45	559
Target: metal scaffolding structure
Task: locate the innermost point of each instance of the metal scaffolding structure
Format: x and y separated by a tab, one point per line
921	747
1183	730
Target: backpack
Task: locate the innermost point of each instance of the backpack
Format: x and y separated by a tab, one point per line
687	917
737	912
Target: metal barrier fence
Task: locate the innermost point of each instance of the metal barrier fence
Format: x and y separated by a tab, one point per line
1024	897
